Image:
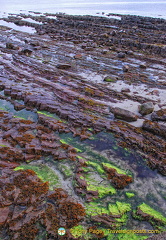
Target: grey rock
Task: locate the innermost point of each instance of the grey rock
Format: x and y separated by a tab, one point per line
159	115
121	55
125	68
142	65
146	108
63	66
10	45
124	114
27	52
110	79
155	128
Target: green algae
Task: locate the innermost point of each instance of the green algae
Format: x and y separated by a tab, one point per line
108	165
70	140
102	190
66	170
152	213
65	142
90	129
130	195
94	184
2	145
97	166
19	117
45	173
48	114
93	209
108	79
119	208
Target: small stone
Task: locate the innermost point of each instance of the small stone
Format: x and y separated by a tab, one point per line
146	108
155	92
125	90
83	46
130	52
121	55
125	68
104	51
142	65
26	52
88	48
63	66
35	43
10	45
110	79
78	56
113	33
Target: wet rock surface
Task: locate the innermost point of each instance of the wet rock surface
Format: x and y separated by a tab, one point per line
73	143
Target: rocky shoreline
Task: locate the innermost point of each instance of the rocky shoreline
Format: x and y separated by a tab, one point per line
82	105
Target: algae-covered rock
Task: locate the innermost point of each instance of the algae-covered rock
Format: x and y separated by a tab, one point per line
159	115
146	108
34	205
119	208
110	79
113	216
155	128
118	177
146	213
45	173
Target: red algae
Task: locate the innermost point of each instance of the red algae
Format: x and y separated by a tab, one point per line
27	203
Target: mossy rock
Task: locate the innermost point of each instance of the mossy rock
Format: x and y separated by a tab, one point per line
65	169
119	171
94	184
110	79
97	166
2	145
146	213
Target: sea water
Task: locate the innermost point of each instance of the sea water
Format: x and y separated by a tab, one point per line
151	8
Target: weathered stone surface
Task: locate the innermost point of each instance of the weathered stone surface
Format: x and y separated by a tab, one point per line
72	108
146	108
155	128
159	115
124	114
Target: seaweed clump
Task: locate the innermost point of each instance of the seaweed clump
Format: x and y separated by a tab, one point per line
119	179
27	206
